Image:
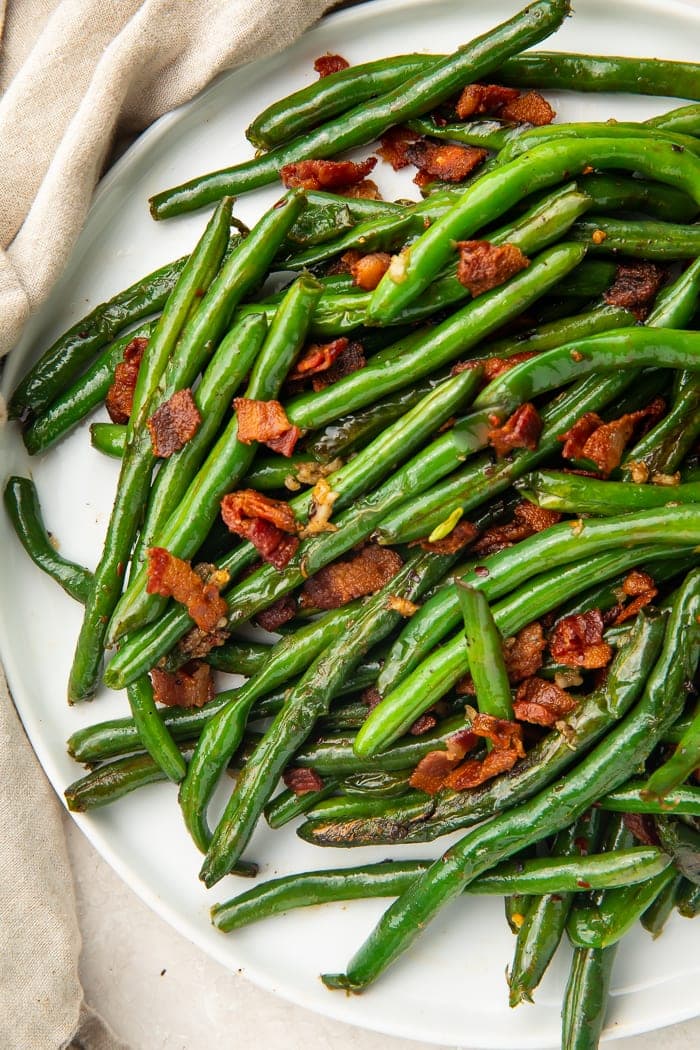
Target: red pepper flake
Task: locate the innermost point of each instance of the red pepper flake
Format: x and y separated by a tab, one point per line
326	174
120	396
269	524
190	686
327	64
266	422
171	577
174	423
541	702
577	641
521	430
483	266
302	781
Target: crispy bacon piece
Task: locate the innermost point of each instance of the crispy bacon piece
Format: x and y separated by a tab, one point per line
394	144
423	724
120	396
366	190
531	108
434	768
326	174
302	781
190	686
280	612
171	577
174	424
198	643
523	652
477	99
604	443
577	641
642	827
461	536
329	63
528	519
494	366
501	732
640	587
318	358
368	271
635	285
445	160
364	572
265	421
521	430
269	524
351	360
483	265
507	740
541	702
371	697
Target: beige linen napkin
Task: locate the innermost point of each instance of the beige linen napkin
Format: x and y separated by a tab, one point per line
77	74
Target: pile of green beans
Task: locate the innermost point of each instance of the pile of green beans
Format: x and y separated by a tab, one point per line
348	701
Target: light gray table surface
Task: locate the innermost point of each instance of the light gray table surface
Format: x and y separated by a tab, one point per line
160	992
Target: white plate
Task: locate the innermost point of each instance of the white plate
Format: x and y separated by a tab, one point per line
450	989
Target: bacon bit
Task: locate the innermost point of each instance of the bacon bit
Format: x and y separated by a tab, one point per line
302	781
461	536
280	612
368	270
371	697
577	641
364	572
445	160
318	358
394	144
171	577
483	266
198	643
174	424
604	443
434	768
326	174
190	686
402	606
120	396
265	421
541	702
484	98
634	287
329	63
494	366
523	652
366	190
477	771
322	499
641	588
501	732
351	360
642	827
266	523
522	430
598	236
528	109
423	724
345	262
528	519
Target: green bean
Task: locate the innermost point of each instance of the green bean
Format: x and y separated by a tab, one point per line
659	911
287	805
605	924
640	76
197	275
108	438
615	130
89	390
677	769
239	657
653	199
391	369
182	525
682	842
352	480
685	119
491	195
72	352
381	784
305	703
666	445
424	819
485	654
590	279
586	998
642	239
602	770
688	900
366	121
582	495
390	878
24	510
545	920
153	732
489	134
